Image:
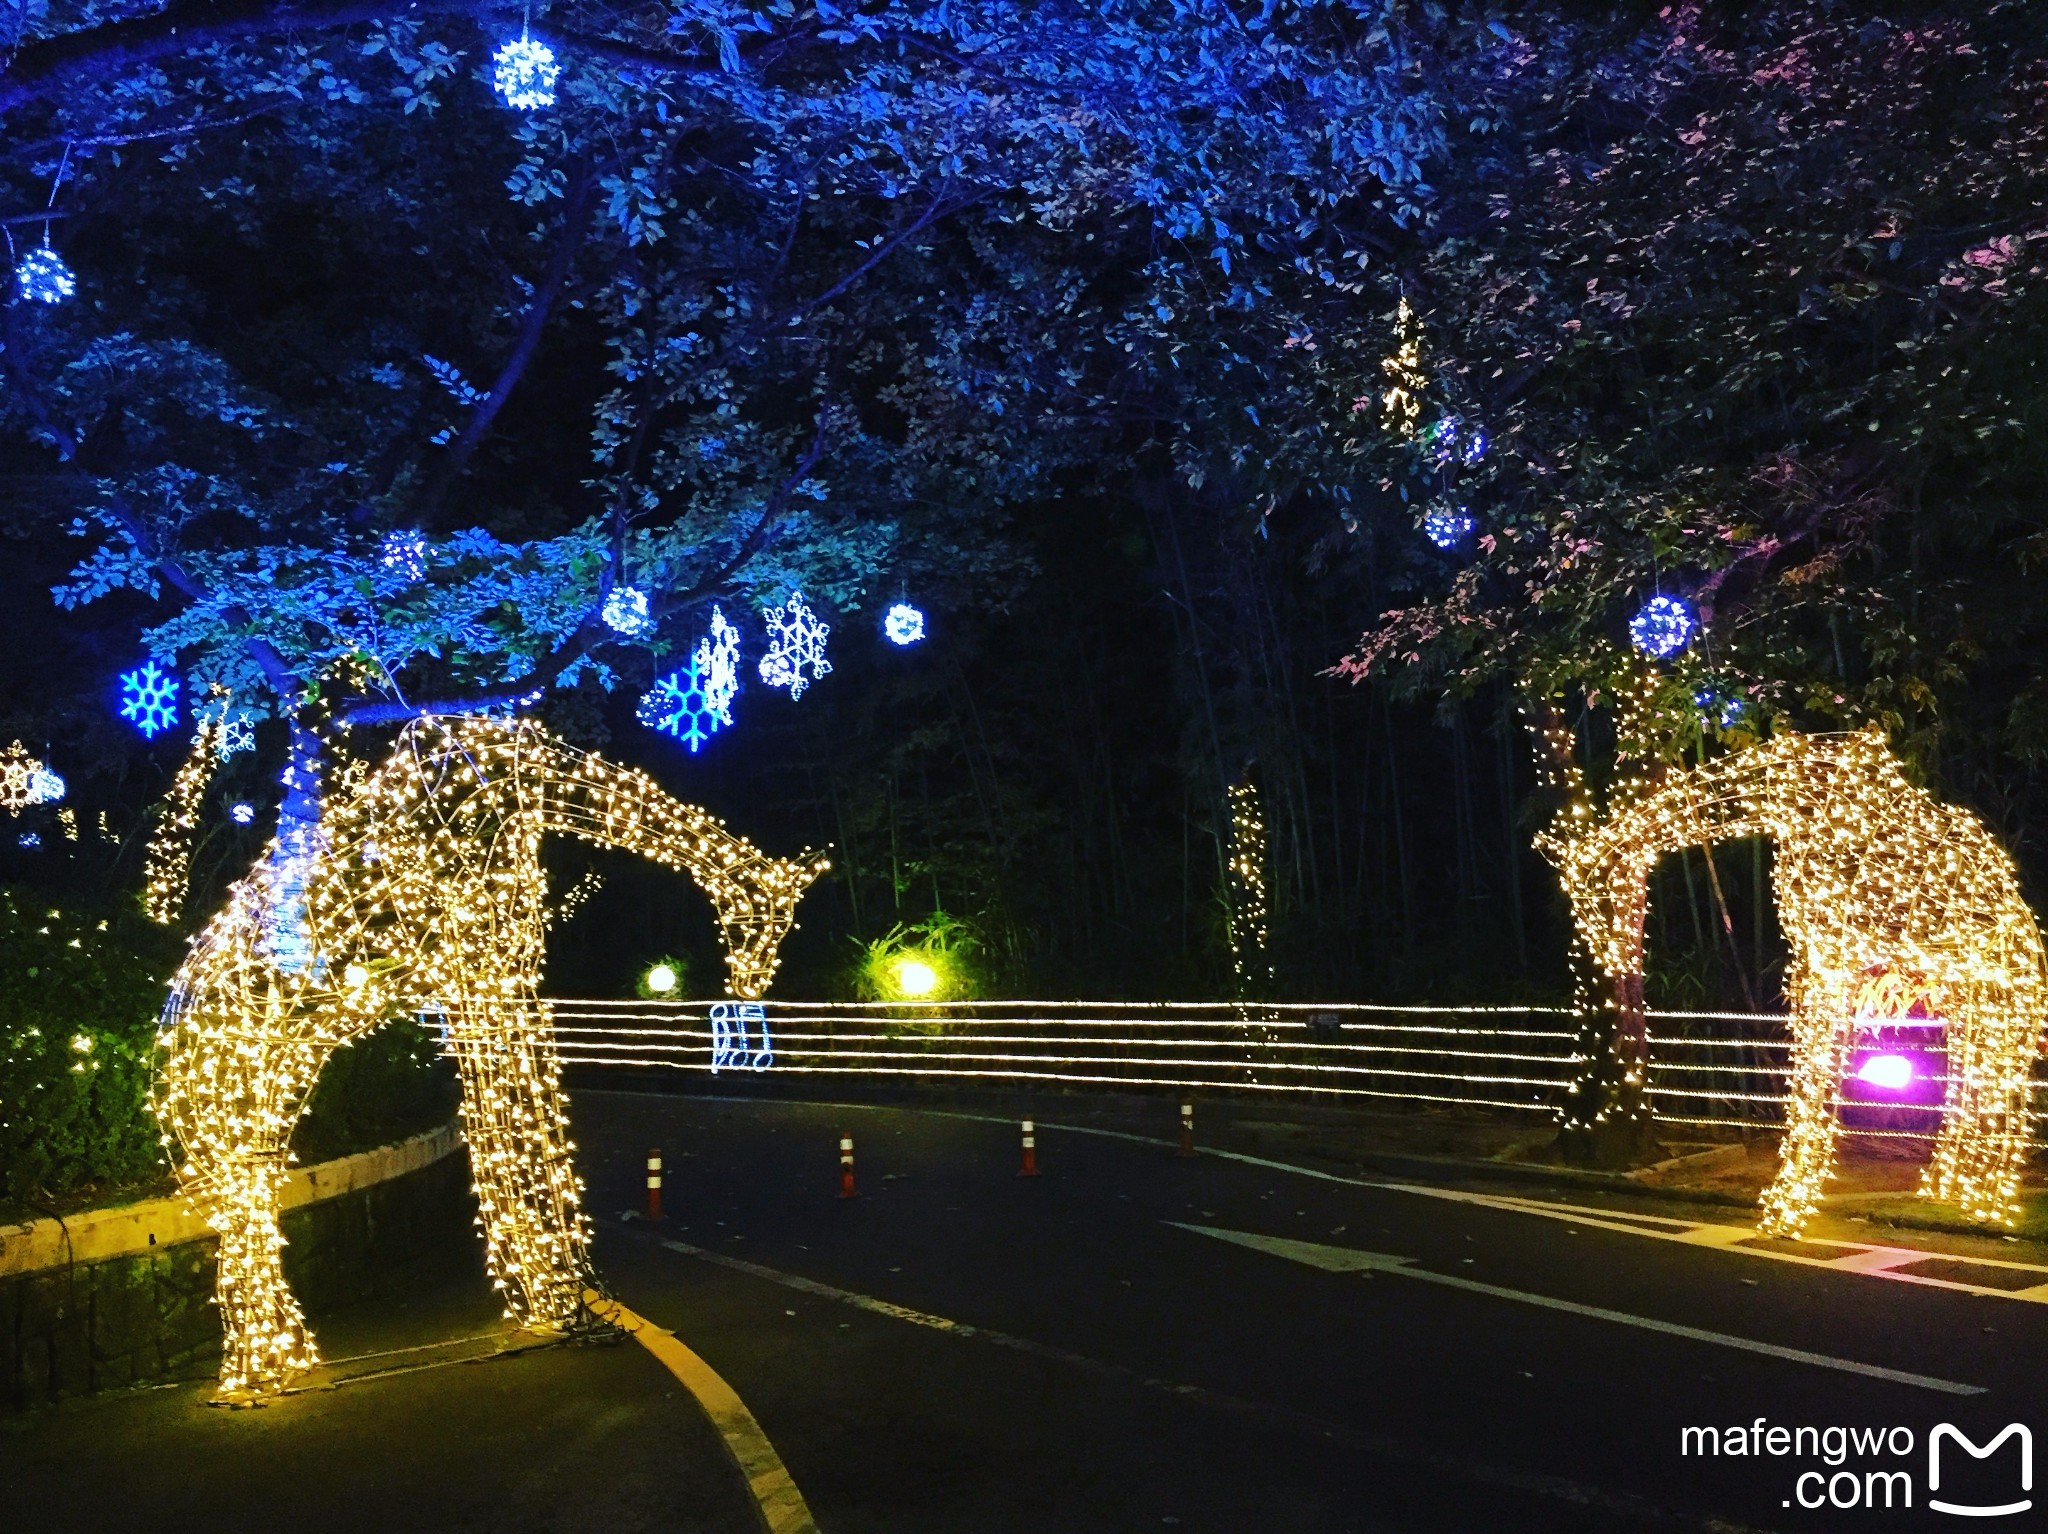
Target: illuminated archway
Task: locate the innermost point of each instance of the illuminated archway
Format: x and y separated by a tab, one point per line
424	894
1880	889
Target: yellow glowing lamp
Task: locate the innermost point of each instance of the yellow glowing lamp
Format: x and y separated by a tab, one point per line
915	978
662	979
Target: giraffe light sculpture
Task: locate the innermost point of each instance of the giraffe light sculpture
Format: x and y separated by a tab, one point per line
1882	892
423	893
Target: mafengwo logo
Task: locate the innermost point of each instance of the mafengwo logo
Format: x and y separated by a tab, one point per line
1875	1468
1946	1435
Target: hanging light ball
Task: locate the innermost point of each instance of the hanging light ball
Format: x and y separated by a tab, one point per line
625	610
1447	526
903	624
404	553
524	73
42	277
1663	627
242	812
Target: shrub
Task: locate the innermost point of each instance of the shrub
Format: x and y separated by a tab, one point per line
79	996
80	993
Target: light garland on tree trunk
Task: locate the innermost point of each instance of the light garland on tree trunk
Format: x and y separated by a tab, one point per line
423	892
168	859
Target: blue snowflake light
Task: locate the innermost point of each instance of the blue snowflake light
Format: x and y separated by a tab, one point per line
625	610
523	72
1663	627
903	624
44	786
1447	526
149	699
796	644
404	553
242	812
42	277
29	839
676	705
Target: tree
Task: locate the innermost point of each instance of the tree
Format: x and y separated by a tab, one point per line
381	389
1750	309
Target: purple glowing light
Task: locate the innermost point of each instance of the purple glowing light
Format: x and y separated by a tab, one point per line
1890	1073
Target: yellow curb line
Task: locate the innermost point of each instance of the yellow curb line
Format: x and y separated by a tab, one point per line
776	1498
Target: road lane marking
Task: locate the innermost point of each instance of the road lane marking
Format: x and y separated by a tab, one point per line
780	1505
1867	1259
1643	1513
1338	1259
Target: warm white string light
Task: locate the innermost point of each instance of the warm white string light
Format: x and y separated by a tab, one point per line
1883	893
423	893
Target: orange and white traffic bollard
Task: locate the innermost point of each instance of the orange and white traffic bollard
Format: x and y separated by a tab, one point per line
1030	1166
846	1188
1187	1130
654	1184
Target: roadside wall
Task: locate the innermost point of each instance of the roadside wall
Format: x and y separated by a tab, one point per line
123	1296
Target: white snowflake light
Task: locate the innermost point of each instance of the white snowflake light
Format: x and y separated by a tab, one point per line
237	734
523	72
149	699
718	659
796	644
42	277
625	610
1663	627
44	786
903	624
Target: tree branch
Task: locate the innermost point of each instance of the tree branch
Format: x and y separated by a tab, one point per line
575	221
54	64
593	631
47	67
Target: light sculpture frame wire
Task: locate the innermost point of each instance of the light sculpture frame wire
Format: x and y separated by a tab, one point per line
1882	892
425	895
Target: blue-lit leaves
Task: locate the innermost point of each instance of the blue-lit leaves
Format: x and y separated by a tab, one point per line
1663	627
149	698
41	277
903	624
523	72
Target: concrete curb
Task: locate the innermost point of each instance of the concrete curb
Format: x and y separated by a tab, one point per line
94	1235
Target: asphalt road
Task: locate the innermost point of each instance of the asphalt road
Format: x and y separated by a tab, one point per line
539	1440
963	1349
